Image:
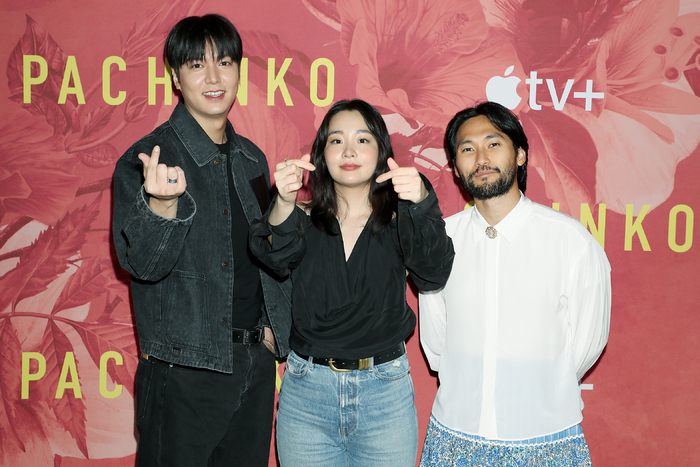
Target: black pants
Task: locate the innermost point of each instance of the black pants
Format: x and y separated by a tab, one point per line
192	417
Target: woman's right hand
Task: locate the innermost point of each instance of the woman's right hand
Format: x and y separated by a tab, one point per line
289	177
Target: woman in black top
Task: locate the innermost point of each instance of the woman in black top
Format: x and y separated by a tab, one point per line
347	396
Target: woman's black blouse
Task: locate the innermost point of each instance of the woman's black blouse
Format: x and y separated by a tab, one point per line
356	309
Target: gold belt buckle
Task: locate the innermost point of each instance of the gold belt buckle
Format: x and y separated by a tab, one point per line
363	365
339	370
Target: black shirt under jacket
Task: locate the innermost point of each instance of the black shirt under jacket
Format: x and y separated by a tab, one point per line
356	309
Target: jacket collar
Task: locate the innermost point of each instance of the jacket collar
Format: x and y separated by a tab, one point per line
197	142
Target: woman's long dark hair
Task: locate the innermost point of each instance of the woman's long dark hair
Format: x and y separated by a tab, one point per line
324	200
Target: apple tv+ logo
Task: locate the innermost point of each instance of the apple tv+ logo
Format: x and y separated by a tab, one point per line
504	90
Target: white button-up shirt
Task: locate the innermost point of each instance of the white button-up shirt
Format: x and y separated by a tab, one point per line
522	318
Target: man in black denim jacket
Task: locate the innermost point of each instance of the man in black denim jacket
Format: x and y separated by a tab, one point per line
204	385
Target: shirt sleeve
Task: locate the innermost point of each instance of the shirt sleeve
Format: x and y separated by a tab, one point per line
147	245
589	307
279	247
433	327
427	250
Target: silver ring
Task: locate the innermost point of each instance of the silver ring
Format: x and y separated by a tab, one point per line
286	162
172	180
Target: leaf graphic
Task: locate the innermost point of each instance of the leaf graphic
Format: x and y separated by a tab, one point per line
44	97
97	119
69	411
48	184
101	156
42	105
48	255
260	45
13	185
257	121
325	10
103	337
13	282
65	240
147	37
428	137
36	41
87	282
568	164
107	316
17	421
136	108
12	228
693	74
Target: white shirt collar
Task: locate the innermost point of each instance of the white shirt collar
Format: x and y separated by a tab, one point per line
508	227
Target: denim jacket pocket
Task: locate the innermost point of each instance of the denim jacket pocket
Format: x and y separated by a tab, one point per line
395	369
185	312
296	366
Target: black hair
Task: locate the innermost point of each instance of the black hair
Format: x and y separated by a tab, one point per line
501	118
324	199
189	38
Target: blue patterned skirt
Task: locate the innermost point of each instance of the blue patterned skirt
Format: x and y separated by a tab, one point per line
448	448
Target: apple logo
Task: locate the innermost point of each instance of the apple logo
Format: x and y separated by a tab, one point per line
502	89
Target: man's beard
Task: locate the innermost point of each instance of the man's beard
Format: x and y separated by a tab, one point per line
498	187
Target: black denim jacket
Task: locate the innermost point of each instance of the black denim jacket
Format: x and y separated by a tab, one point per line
182	269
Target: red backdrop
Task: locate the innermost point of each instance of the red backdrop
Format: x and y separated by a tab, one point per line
607	92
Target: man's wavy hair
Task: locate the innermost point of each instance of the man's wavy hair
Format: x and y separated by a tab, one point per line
501	118
324	199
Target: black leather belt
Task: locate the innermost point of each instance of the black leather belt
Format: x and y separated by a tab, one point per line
245	336
341	364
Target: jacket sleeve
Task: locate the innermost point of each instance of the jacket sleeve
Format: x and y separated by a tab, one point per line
147	245
428	251
279	247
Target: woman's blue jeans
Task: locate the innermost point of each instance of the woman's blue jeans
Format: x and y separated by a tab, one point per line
357	418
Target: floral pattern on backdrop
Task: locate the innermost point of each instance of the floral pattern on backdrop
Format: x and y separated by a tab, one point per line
608	93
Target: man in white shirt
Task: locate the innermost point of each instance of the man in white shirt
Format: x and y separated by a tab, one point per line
525	312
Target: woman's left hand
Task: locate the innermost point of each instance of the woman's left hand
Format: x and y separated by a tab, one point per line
407	182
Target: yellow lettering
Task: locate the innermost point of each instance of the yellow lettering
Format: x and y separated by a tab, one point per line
107	80
27	79
330	82
154	80
673	220
555	206
242	95
274	82
587	219
278	380
117	357
74	384
77	89
26	375
634	226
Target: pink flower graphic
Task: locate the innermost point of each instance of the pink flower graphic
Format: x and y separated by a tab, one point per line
425	60
636	55
268	127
